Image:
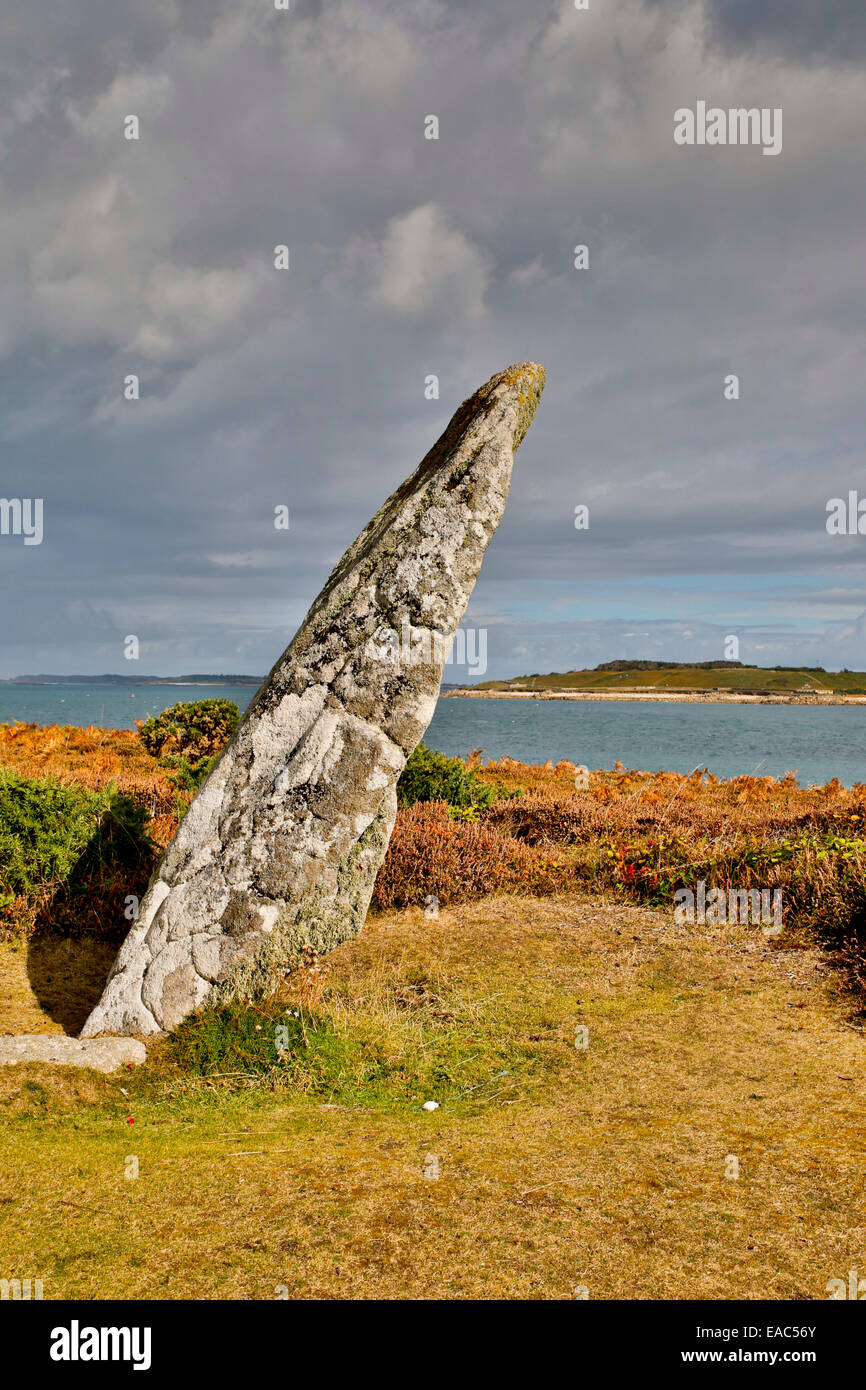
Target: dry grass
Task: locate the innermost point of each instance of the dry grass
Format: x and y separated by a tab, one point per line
604	1169
50	985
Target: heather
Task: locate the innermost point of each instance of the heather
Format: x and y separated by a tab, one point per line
465	829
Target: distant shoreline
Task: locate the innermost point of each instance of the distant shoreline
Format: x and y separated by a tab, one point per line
714	697
252	683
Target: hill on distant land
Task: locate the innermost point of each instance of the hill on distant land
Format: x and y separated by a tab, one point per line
680	676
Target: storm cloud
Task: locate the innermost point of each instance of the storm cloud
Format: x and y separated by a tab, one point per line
411	258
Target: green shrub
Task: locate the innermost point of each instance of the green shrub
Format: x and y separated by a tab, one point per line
44	829
188	737
186	776
51	833
431	776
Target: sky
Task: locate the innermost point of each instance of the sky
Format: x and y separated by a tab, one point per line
409	258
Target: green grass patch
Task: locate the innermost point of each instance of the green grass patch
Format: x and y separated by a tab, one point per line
392	1054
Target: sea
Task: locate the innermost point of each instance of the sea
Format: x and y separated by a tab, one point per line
817	742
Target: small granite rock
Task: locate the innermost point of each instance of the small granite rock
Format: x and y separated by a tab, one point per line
279	850
102	1054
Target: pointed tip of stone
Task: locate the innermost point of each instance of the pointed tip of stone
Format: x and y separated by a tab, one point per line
526	375
524	382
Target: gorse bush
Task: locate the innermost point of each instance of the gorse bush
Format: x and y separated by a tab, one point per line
431	776
55	837
44	829
188	737
195	728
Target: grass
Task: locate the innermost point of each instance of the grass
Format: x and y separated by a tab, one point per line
282	1146
602	1167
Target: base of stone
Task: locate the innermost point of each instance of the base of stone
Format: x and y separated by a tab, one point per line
101	1054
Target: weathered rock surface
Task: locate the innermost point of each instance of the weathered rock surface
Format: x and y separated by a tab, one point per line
281	846
102	1054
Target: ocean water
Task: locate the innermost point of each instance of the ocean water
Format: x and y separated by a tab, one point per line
818	741
106	706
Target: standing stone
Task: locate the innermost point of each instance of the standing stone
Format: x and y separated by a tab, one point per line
281	845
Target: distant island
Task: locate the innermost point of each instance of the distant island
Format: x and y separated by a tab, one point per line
681	680
132	680
149	680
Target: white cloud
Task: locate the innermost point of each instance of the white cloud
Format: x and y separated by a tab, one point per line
426	265
143	94
185	309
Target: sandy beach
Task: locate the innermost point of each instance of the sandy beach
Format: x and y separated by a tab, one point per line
721	697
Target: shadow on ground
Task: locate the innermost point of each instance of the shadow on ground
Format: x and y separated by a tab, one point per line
67	975
78	931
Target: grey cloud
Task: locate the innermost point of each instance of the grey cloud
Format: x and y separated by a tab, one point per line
411	258
802	30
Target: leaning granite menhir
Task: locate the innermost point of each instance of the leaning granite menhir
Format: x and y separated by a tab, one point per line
281	846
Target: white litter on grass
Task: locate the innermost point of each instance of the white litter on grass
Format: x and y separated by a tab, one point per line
430	1105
